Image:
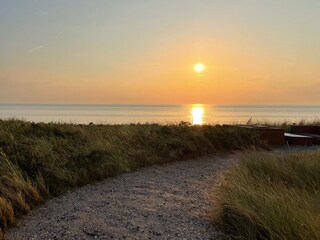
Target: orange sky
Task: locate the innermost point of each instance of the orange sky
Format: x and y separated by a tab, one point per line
144	52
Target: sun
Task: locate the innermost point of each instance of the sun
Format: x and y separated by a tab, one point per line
199	68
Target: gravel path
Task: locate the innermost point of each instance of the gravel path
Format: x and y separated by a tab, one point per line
160	202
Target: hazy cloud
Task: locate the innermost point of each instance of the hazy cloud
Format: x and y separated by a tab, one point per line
36	48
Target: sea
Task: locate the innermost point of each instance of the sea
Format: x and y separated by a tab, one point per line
162	114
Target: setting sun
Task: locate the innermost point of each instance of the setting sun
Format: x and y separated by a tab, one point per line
199	68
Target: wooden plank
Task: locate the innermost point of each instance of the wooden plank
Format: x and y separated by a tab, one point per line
295	135
298	140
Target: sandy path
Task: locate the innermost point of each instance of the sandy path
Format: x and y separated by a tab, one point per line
159	202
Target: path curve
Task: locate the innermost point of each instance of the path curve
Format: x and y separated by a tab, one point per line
159	202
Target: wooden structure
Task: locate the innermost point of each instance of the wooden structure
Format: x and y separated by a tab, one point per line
307	130
301	135
298	140
271	135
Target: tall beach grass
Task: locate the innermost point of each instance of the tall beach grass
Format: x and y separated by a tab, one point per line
40	160
270	196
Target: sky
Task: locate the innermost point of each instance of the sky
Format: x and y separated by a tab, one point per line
143	51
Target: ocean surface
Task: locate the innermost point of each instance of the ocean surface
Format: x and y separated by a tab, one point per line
163	114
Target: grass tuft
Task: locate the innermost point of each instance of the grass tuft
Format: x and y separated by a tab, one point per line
270	196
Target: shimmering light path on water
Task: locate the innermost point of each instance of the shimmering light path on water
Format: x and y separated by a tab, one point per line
164	114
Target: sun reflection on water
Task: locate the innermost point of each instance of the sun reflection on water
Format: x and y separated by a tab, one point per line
197	113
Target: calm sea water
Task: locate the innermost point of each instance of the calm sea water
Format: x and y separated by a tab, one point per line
164	114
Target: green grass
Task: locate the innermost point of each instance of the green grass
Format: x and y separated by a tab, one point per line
270	196
38	161
286	125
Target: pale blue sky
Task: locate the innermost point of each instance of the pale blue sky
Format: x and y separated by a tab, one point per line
121	51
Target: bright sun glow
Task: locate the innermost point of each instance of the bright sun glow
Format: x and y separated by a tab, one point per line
199	68
197	115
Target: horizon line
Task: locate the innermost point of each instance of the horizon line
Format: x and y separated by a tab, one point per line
158	104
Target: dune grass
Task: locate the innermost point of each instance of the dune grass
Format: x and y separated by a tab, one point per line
38	160
285	124
270	196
